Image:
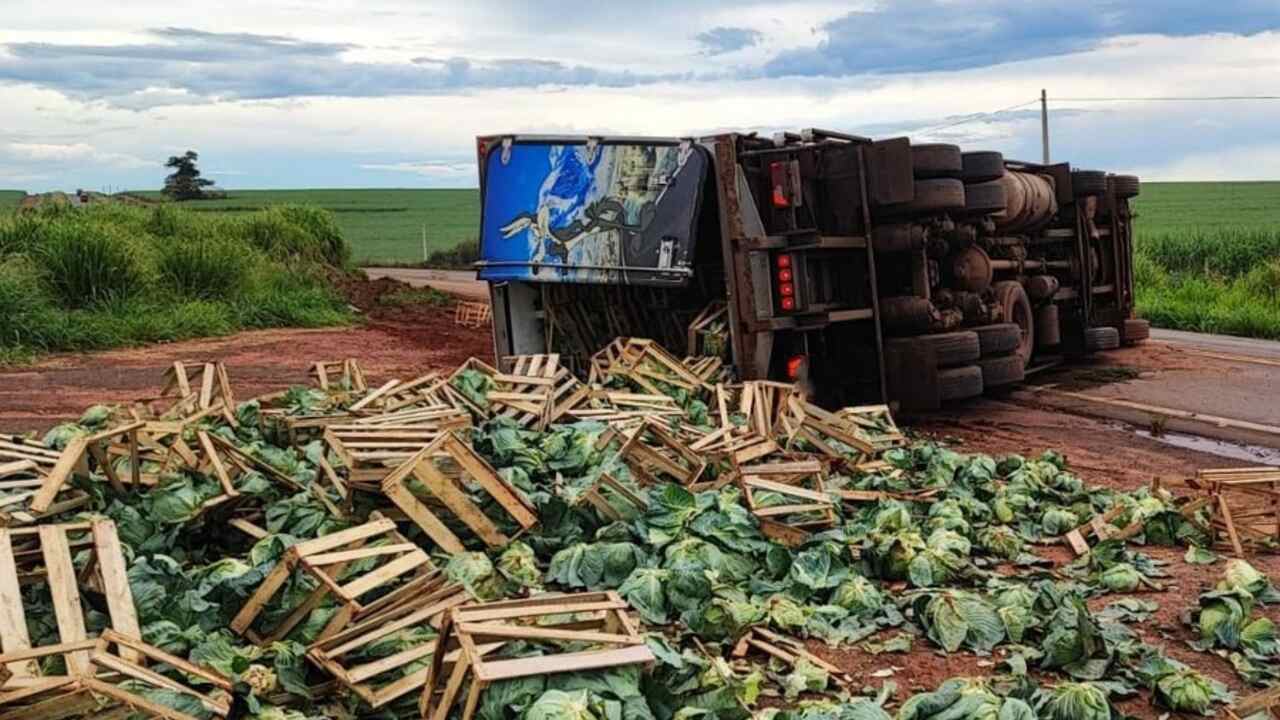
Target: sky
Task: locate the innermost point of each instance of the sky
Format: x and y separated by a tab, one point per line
392	93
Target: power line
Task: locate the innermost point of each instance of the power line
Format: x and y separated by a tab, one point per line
1204	98
975	117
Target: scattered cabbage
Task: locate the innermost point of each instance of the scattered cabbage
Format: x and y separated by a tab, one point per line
1075	701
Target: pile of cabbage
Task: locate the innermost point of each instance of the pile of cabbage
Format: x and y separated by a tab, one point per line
957	570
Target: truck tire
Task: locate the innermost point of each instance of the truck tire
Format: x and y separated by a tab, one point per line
1015	308
960	383
985	198
936	161
952	348
998	339
932	197
982	166
1136	330
1001	371
1088	182
1101	338
1126	186
1048	331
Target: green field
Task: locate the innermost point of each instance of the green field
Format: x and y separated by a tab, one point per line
1208	257
381	225
9	199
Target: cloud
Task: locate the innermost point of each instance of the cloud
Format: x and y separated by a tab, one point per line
193	66
939	35
429	168
71	153
721	40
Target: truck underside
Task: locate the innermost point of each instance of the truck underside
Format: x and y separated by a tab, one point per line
874	270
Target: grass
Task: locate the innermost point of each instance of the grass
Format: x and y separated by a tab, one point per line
112	275
1208	257
382	226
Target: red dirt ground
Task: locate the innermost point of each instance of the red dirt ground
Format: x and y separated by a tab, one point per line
392	342
403	342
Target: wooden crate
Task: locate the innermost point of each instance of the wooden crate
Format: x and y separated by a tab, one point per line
428	468
801	483
19	482
100	690
606	494
81	455
424	390
1099	529
654	455
383	680
16	449
371	451
645	364
402	572
789	650
599	619
536	391
1244	506
343	375
472	314
191	391
44	553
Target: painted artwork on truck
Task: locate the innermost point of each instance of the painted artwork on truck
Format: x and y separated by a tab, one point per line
590	212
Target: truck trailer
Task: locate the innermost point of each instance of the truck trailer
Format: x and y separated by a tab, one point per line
867	270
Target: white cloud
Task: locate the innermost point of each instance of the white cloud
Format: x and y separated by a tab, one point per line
1251	162
439	170
55	153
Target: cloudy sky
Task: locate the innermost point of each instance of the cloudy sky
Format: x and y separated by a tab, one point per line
340	93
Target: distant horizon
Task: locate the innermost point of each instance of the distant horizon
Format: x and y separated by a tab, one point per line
378	188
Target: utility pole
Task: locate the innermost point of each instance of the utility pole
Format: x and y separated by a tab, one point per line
1044	124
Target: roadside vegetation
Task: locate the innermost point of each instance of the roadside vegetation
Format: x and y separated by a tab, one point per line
1208	257
112	275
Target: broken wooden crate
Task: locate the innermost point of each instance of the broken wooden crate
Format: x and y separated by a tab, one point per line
1099	529
536	391
788	650
789	498
112	684
44	555
598	621
430	389
371	450
448	472
377	679
402	570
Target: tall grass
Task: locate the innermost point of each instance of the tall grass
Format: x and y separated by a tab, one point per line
1216	280
112	275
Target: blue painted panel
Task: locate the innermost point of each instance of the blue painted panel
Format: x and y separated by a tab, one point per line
613	213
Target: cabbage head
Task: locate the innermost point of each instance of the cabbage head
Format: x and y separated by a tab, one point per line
1185	691
561	705
1075	701
1121	577
1058	521
859	596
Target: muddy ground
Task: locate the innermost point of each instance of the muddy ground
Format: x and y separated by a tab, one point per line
405	341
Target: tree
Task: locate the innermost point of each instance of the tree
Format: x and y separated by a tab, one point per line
185	183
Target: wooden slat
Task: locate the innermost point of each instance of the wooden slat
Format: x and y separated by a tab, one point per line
491	671
65	593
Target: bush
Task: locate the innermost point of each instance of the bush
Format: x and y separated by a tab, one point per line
113	274
87	263
207	267
459	257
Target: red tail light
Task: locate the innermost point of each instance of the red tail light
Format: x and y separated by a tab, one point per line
784	276
788	303
779	179
796	365
783	261
787	289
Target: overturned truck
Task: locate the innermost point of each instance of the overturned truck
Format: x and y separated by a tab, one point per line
869	270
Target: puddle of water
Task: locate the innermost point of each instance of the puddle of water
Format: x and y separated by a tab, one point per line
1254	454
